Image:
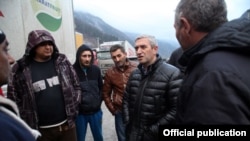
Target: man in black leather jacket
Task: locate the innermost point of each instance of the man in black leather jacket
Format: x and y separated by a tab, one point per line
151	92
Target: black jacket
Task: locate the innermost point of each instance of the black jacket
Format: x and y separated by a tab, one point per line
216	87
150	100
91	84
174	59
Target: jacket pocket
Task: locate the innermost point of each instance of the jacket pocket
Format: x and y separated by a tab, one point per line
117	99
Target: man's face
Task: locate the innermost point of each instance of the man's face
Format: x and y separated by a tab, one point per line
44	51
119	57
85	58
146	54
5	61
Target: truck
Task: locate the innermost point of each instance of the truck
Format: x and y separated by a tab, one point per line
19	17
104	58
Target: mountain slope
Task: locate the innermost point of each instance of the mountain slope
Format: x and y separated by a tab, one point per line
96	31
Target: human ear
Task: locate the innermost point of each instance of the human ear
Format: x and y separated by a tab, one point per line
185	25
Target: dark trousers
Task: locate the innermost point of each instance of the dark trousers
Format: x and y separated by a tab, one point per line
58	133
120	127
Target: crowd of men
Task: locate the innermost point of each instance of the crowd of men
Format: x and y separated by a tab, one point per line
205	82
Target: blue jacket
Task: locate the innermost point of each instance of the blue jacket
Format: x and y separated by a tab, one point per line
13	128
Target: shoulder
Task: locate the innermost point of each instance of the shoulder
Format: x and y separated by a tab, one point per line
178	51
136	72
15	67
221	60
111	69
168	67
133	64
169	71
19	65
95	67
12	130
61	58
11	127
9	104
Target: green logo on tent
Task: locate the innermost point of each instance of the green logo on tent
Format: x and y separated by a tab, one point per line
48	13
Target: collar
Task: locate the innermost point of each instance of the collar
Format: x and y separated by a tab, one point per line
125	66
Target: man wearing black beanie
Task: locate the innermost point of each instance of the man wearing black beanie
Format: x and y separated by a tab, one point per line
12	127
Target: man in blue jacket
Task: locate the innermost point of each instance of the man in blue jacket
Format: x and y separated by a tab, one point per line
12	127
91	85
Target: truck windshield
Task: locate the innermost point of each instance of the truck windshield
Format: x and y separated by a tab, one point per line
103	55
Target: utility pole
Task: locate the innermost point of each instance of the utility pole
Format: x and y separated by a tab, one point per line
97	41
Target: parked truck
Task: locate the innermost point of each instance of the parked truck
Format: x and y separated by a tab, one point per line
19	17
104	58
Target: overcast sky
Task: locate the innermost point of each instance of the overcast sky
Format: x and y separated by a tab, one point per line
155	17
